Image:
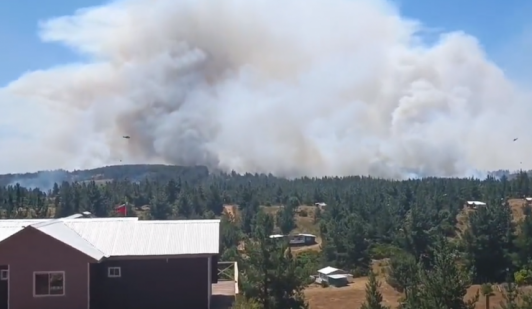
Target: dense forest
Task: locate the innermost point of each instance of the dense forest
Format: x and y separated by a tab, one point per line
413	224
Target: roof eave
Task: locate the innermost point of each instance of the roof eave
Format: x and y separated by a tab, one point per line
160	256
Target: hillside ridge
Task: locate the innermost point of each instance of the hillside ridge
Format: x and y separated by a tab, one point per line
134	172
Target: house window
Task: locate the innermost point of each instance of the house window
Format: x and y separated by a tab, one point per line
49	283
114	272
4	274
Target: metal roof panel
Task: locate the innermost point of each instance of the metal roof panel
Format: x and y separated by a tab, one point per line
126	236
60	231
143	238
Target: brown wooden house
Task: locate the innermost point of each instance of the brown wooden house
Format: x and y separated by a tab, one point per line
107	263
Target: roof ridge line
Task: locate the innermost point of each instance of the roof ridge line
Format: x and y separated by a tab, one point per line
86	240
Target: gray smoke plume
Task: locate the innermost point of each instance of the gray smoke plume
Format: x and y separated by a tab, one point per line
289	87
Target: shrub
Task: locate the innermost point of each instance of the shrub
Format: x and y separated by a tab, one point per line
523	277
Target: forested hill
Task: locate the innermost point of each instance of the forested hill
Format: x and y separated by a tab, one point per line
133	172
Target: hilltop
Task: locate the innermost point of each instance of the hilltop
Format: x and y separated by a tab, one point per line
132	172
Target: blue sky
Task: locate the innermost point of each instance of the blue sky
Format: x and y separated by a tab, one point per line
496	23
21	49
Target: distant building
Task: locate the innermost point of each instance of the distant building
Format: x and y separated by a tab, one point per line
302	240
475	204
333	276
320	205
528	200
98	263
297	240
143	208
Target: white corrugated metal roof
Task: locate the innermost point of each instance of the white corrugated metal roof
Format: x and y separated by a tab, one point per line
60	231
11	226
338	276
126	236
327	270
476	203
5	232
20	222
113	219
137	238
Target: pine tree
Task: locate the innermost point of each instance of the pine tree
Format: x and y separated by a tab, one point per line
487	292
443	286
510	295
373	295
402	272
269	270
446	284
286	220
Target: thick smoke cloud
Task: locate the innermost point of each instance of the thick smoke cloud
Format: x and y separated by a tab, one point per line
289	87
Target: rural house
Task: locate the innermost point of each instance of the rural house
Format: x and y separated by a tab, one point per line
333	276
107	263
296	240
302	239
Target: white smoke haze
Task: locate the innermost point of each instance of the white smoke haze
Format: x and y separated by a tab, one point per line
288	87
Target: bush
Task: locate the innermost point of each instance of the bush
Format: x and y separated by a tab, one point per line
394	284
308	262
523	277
383	251
303	213
244	303
360	272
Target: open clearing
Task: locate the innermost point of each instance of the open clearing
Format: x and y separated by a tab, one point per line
353	296
516	205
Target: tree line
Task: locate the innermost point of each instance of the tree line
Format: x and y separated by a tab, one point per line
413	223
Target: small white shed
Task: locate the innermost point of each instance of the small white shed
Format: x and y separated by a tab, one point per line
475	204
333	276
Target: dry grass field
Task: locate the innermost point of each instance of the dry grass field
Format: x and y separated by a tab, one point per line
353	296
517	208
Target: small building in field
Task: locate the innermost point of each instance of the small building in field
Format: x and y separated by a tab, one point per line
277	236
475	204
302	240
528	200
297	240
320	205
333	276
107	263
